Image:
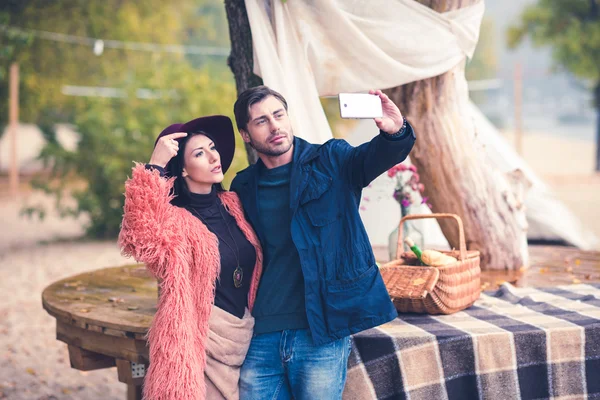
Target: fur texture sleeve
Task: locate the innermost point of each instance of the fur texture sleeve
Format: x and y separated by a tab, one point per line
151	230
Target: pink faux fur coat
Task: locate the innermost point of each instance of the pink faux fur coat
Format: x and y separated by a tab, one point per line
183	254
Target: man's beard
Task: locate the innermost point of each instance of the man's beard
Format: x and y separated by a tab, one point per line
267	151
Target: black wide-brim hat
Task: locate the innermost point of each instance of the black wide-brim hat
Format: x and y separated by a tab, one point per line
218	127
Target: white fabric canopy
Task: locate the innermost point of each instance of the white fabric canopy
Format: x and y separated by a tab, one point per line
306	49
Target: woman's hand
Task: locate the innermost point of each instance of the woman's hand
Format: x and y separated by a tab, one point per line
166	148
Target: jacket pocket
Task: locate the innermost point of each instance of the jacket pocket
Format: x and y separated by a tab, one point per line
350	284
318	201
351	302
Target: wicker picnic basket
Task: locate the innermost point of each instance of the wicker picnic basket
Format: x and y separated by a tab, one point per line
433	290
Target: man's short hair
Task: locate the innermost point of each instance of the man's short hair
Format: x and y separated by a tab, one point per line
249	97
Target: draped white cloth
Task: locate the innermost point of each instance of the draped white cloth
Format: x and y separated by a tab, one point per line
310	48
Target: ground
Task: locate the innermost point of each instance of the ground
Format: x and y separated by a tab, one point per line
33	364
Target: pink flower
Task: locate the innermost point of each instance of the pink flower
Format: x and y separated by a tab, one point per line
363	208
421	187
414	186
391	173
425	200
416	177
412	168
366	198
401	167
405	202
429	205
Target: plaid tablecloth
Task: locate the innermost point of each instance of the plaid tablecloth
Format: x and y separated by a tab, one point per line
515	343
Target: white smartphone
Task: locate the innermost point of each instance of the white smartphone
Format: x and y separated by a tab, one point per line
360	105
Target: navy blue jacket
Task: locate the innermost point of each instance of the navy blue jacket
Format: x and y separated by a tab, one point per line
344	291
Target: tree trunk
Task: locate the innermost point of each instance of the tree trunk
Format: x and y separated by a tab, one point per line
456	177
240	60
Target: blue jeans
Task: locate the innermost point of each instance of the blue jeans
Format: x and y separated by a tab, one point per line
284	365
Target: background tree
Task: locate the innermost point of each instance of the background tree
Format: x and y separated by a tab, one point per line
240	60
572	29
159	88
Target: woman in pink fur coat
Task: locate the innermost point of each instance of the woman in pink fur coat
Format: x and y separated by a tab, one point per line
193	237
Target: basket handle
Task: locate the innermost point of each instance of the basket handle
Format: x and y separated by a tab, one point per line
461	231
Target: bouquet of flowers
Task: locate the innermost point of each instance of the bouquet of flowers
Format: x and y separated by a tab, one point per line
407	185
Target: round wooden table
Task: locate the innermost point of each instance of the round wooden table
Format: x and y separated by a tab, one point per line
103	317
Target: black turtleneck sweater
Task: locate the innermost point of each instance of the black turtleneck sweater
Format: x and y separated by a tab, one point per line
209	209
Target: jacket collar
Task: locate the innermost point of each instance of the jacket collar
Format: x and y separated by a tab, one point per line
304	152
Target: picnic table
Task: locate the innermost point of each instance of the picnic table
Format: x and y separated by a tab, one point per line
103	317
515	342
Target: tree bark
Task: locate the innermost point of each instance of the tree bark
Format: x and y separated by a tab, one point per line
456	177
240	59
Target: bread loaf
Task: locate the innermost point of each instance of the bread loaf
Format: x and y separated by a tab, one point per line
436	259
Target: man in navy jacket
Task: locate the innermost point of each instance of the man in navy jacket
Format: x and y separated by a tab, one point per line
320	283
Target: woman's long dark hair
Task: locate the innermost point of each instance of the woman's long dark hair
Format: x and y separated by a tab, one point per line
175	169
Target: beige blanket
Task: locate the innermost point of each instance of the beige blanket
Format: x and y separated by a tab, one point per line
228	341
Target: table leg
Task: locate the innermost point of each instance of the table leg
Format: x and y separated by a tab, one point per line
134	392
133	375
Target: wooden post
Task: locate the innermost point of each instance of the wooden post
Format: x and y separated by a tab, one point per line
13	111
518	98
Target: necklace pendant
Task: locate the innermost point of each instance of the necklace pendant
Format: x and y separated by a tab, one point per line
238	275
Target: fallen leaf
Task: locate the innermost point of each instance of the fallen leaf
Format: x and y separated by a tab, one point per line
543	270
66	390
588	277
84	310
131	308
31	371
569	269
577	261
116	299
418	281
576	281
